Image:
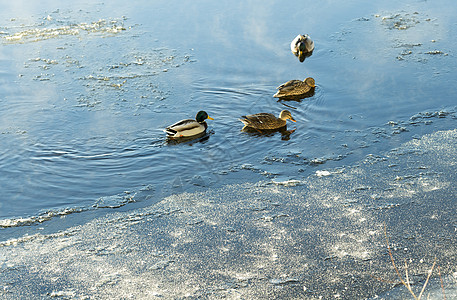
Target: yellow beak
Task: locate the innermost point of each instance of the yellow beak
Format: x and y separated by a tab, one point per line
210	118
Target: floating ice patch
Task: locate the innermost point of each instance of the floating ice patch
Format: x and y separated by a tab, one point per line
419	28
322	173
291	182
114	201
38	34
400	21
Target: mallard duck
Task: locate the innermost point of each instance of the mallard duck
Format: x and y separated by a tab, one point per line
302	46
189	127
295	88
266	120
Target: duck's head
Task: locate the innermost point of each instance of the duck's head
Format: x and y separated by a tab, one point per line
306	44
310	81
285	114
304	47
301	46
202	116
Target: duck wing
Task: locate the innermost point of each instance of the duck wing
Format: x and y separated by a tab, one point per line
290	88
289	84
262	121
293	44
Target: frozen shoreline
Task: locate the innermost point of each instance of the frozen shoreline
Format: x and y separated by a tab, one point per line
321	237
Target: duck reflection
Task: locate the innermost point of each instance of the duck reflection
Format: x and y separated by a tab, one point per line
297	98
302	57
285	134
190	140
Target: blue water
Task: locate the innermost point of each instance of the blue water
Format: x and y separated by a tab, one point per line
83	108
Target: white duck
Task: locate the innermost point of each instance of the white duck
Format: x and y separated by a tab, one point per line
302	46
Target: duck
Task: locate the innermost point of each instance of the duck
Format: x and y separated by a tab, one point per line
302	46
295	88
267	121
189	127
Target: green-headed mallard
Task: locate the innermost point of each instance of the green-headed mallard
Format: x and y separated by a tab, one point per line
265	121
189	127
295	88
302	46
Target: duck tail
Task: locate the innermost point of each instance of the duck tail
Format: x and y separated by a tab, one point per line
170	132
277	95
244	120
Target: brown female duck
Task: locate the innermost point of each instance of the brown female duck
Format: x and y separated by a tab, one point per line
266	121
295	88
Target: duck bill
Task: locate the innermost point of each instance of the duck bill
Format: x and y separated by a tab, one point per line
293	120
210	118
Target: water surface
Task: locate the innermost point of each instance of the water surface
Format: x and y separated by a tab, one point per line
88	87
